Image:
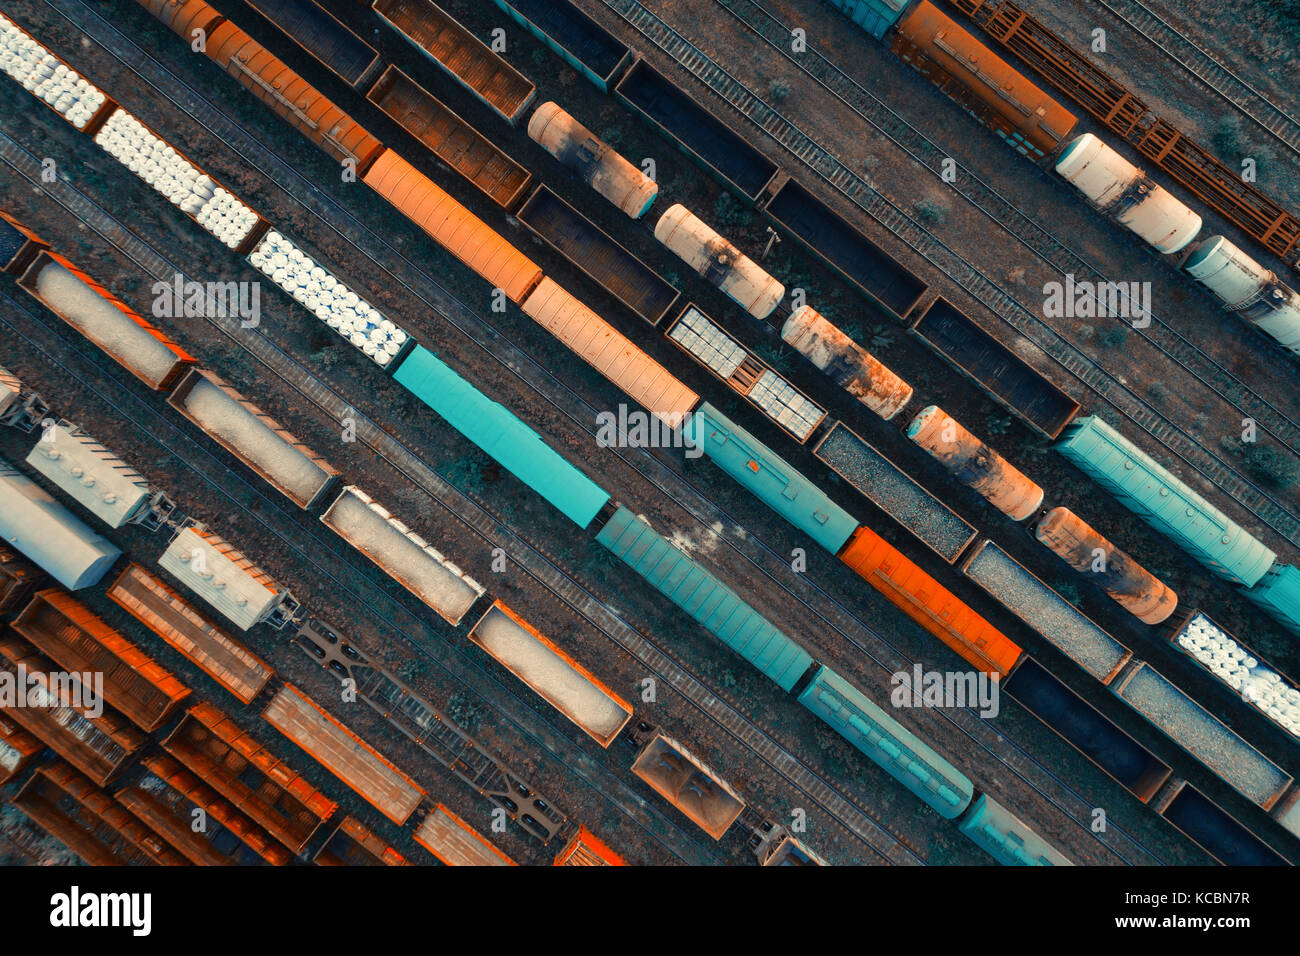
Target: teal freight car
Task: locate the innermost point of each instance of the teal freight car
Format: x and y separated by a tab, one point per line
573	36
701	595
1006	838
1278	593
874	16
897	750
1154	494
772	480
511	443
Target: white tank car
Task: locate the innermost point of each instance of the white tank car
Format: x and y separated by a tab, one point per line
600	167
718	261
1248	289
1126	194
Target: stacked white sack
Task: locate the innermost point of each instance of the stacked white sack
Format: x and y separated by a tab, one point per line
1233	664
42	74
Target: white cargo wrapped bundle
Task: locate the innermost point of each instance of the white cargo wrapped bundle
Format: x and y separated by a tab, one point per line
43	75
353	318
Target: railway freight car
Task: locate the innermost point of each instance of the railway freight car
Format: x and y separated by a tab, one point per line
597	163
1020	112
94	477
402	554
450	138
719	262
455	843
594	252
18	245
1278	593
874	16
546	668
252	436
91	823
1002	835
586	849
328	41
238	767
80	643
845	362
355	844
468	61
1154	494
16	579
18	748
1212	828
574	37
998	371
187	632
218	573
1248	290
677	775
340	751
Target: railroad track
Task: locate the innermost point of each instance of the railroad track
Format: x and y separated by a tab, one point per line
1267	509
827	614
1210	72
762	23
494	533
387	614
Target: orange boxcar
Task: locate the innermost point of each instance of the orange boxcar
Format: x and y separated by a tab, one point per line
585	849
929	603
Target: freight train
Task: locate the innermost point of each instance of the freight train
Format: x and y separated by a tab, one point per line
427	371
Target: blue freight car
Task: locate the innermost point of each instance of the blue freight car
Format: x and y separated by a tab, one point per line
896	749
772	480
1278	593
1006	838
701	595
874	16
492	427
1153	493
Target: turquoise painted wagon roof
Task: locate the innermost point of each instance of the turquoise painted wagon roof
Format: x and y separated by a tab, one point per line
510	442
887	742
774	481
874	16
1152	492
1279	594
701	595
1006	838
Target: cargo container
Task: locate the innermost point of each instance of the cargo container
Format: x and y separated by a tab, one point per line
105	320
611	353
502	436
170	798
292	98
714	258
683	780
402	554
98	740
1201	734
1278	593
929	603
874	16
452	226
997	370
468	61
1081	724
450	138
769	478
49	535
328	41
545	667
576	38
889	744
845	362
586	849
340	751
452	841
700	594
17	748
1155	495
354	844
705	341
79	642
17	578
18	245
89	822
597	163
1055	619
1236	666
253	437
890	489
91	475
233	763
1211	828
1019	111
1006	837
590	249
168	615
695	131
843	249
1083	548
212	569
